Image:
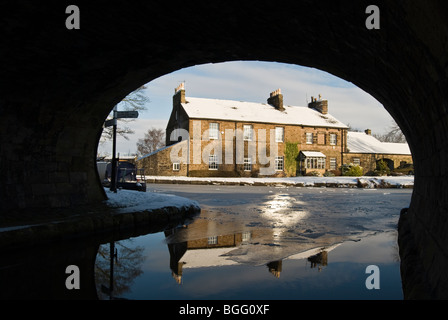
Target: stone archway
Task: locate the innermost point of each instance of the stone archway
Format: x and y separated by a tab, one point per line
388	162
58	85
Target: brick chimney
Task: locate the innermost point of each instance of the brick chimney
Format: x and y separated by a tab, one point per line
276	100
179	95
319	104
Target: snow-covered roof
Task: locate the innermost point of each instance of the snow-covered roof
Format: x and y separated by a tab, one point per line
207	257
315	154
158	150
201	108
360	142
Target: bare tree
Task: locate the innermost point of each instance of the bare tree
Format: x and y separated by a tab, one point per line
127	266
154	139
352	129
393	135
135	101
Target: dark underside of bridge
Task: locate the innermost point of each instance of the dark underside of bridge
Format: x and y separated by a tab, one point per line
58	86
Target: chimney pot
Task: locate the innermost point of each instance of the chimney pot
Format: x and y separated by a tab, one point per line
276	99
320	105
179	94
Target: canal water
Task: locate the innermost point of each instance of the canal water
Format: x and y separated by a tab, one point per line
263	242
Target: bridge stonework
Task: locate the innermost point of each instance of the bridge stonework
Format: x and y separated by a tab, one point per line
58	85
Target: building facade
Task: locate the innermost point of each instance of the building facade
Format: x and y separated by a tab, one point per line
366	151
226	138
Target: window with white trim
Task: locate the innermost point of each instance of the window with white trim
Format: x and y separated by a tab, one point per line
247	164
279	163
213	162
357	161
247	132
279	134
212	240
333	164
315	163
333	139
176	166
213	131
309	138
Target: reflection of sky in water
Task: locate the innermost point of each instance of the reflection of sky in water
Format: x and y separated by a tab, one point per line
282	225
342	278
283	212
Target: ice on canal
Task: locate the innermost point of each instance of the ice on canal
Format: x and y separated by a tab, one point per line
274	223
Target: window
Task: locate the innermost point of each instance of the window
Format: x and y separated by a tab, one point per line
176	166
212	240
247	136
315	163
333	139
247	164
246	236
279	163
213	162
309	138
213	130
279	134
333	164
356	161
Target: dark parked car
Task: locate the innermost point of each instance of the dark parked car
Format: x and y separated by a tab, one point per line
127	176
404	169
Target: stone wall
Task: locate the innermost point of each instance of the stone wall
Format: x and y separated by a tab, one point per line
369	160
226	146
160	163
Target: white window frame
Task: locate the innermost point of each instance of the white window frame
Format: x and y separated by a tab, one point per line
247	165
176	166
279	134
247	132
333	139
314	163
357	161
212	240
212	162
246	236
309	138
279	163
213	130
333	164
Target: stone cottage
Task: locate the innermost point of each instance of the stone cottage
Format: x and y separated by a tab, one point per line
365	150
212	137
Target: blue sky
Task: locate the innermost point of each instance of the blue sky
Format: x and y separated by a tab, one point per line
253	81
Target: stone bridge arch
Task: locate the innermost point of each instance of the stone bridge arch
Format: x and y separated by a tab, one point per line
58	85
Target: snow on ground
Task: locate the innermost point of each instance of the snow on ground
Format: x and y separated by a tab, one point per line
368	182
134	201
131	201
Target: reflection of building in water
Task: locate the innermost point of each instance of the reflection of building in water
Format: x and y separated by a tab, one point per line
176	251
203	252
319	260
275	267
207	243
204	243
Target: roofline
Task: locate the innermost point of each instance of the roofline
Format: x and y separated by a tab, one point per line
396	154
279	123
